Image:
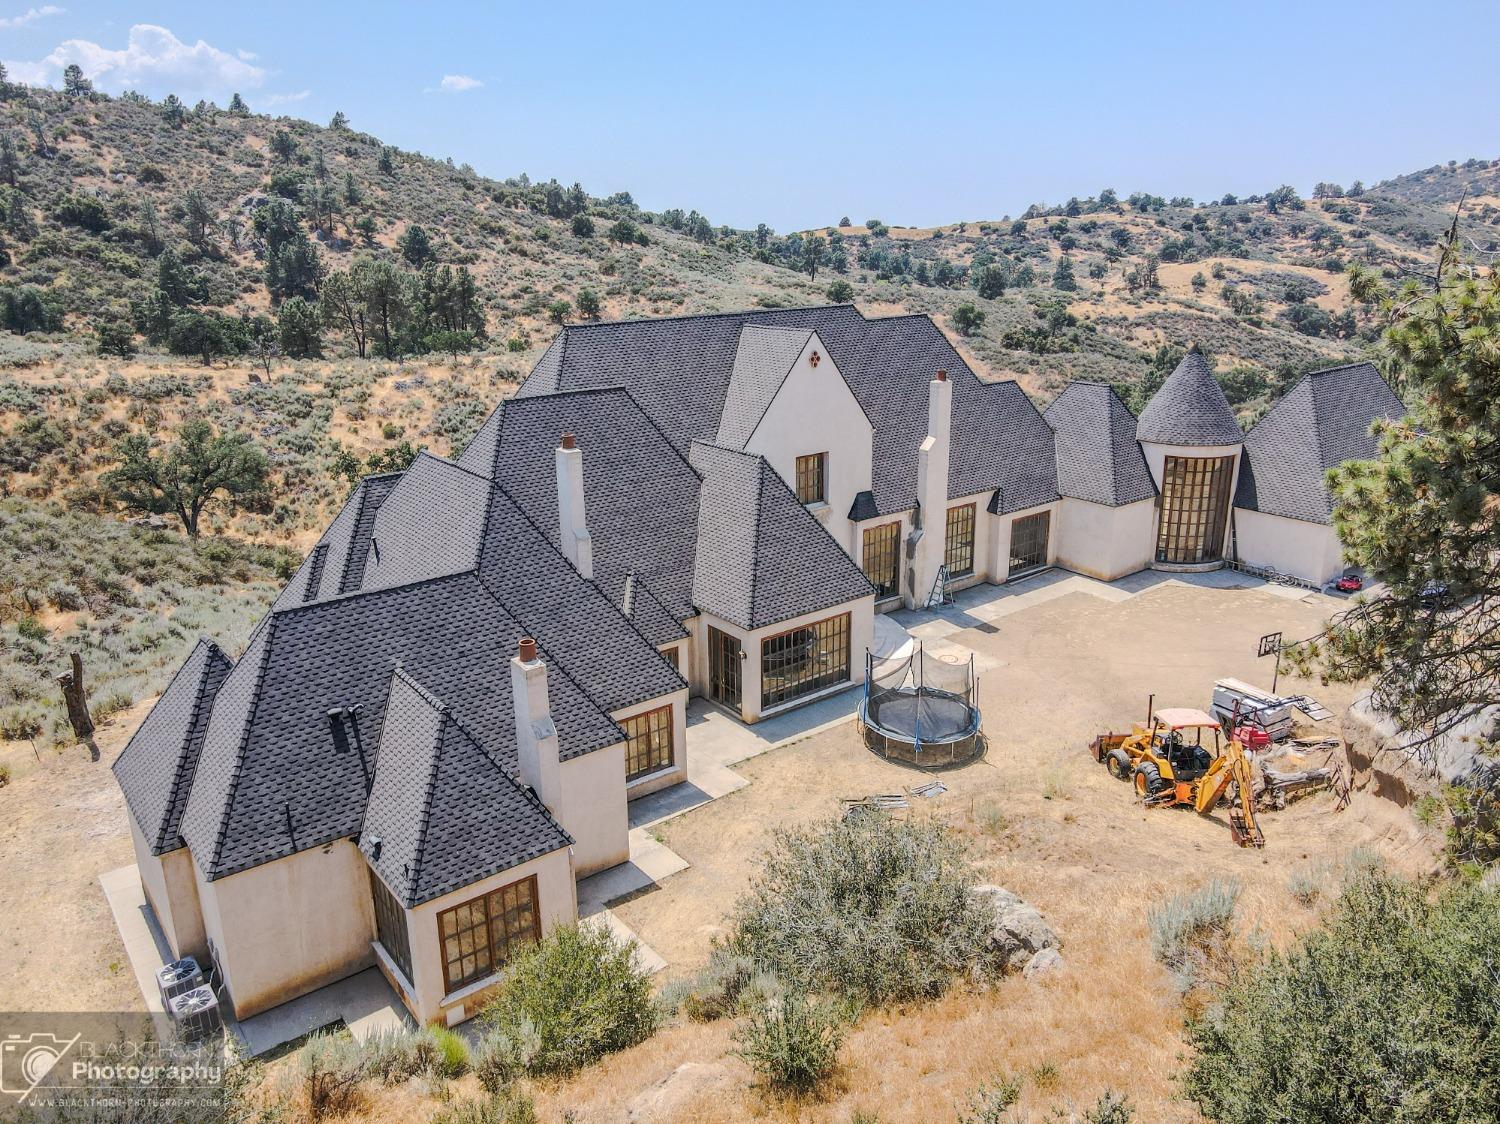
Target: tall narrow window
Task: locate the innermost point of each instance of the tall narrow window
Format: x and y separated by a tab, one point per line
724	667
390	925
881	559
804	660
648	743
1194	508
810	473
1028	542
479	936
959	554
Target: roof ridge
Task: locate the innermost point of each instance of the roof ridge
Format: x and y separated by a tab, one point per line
180	782
269	623
613	389
427	796
305	606
713	315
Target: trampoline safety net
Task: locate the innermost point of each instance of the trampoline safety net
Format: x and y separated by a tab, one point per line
921	709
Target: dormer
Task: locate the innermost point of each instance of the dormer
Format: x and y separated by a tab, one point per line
788	401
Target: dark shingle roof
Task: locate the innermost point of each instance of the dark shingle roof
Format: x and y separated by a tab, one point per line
762	557
276	776
679	370
640	494
444	811
1189	409
1323	421
761	364
155	770
1098	457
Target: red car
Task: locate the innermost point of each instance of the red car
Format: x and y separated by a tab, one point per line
1350	583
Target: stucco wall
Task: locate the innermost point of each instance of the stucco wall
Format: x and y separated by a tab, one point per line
172	891
286	927
593	809
1104	542
424	994
1309	550
815	412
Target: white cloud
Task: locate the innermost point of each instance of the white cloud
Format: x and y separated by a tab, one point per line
272	100
246	56
31	15
152	60
454	84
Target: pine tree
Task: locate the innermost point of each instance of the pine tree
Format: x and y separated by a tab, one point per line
1423	517
339	121
1062	277
75	85
238	107
172	111
10	164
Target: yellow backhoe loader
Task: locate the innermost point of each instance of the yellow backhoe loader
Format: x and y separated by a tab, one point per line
1169	764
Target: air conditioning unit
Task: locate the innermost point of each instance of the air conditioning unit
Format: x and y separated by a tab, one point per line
177	977
196	1014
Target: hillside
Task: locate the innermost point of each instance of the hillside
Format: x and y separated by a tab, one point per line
241	205
159	263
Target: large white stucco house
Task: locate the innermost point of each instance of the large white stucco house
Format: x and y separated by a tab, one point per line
437	728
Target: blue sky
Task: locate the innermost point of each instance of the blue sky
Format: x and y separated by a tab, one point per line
797	114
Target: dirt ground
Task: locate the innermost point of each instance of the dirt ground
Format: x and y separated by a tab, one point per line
1044	820
1048	823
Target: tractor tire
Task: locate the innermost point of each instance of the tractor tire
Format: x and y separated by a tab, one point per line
1118	764
1148	780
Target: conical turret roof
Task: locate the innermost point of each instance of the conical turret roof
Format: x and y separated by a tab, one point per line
1190	408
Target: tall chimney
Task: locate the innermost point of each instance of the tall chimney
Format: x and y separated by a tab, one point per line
928	539
573	525
536	735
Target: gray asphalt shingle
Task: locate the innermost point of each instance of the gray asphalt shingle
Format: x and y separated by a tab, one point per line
1323	421
1098	456
443	812
1190	408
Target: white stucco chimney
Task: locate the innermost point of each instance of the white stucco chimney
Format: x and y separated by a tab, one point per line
573	524
536	735
928	539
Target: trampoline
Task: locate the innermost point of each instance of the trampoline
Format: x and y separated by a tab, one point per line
921	710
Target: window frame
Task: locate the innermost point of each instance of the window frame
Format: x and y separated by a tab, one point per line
726	667
390	912
659	720
494	957
1194	509
812	479
1025	524
835	629
960	532
883	589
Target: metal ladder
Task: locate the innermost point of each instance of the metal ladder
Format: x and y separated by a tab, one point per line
939	595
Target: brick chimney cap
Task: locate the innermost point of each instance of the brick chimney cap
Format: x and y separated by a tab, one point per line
527	652
569	441
942	376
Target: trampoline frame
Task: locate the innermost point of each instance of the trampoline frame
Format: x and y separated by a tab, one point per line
956	748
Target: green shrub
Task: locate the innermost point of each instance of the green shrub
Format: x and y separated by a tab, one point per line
1188	930
510	1107
502	1056
793	1042
330	1068
1110	1108
991	1101
1388	1013
581	995
873	908
729	985
452	1052
31	629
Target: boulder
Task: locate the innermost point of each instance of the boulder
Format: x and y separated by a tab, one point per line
673	1097
1045	962
1019	931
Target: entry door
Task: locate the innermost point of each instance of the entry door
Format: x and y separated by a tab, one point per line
725	668
1028	541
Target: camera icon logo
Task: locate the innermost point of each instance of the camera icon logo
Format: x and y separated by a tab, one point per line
26	1060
